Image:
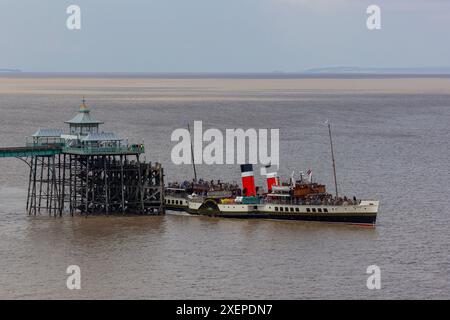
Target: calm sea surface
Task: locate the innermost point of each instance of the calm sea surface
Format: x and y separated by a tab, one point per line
391	142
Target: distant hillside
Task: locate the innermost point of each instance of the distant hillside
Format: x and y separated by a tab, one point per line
358	70
11	70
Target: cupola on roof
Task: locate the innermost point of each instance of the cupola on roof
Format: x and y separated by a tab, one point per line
83	116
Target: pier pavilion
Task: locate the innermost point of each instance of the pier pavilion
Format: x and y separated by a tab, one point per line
88	171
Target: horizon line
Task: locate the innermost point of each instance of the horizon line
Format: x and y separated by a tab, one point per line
273	74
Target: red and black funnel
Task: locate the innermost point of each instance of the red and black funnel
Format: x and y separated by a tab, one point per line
248	180
271	180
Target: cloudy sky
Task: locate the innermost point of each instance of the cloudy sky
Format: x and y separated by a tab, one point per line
222	35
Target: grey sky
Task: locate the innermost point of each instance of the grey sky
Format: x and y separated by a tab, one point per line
221	35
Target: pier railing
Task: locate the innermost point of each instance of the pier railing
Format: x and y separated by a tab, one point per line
133	149
44	144
29	151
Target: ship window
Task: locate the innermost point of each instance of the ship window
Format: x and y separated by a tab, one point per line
308	210
297	209
281	208
286	209
276	208
325	210
176	201
255	207
313	209
292	209
320	210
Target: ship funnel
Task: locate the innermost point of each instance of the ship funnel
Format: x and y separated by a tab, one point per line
271	180
248	180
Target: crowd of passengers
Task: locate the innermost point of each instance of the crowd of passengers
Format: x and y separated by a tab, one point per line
203	186
327	199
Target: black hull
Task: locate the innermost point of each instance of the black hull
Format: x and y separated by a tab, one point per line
350	219
176	208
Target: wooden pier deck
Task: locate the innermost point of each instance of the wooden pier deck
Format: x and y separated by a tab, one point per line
30	151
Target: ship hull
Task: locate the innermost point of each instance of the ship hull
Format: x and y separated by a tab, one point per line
360	220
176	208
176	203
364	213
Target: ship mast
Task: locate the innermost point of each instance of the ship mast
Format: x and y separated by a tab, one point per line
332	157
192	154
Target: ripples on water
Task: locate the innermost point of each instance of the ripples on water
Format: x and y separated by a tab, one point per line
390	146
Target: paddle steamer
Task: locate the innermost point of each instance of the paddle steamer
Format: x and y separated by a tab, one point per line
295	200
301	200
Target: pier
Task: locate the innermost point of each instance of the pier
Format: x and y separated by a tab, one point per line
87	171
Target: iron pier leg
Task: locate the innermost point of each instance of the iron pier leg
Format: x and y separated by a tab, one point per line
63	185
122	187
87	185
29	183
140	187
34	187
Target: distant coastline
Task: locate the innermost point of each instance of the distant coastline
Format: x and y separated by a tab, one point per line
10	71
327	72
359	70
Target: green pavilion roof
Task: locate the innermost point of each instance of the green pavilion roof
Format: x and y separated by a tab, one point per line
48	133
103	136
83	116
